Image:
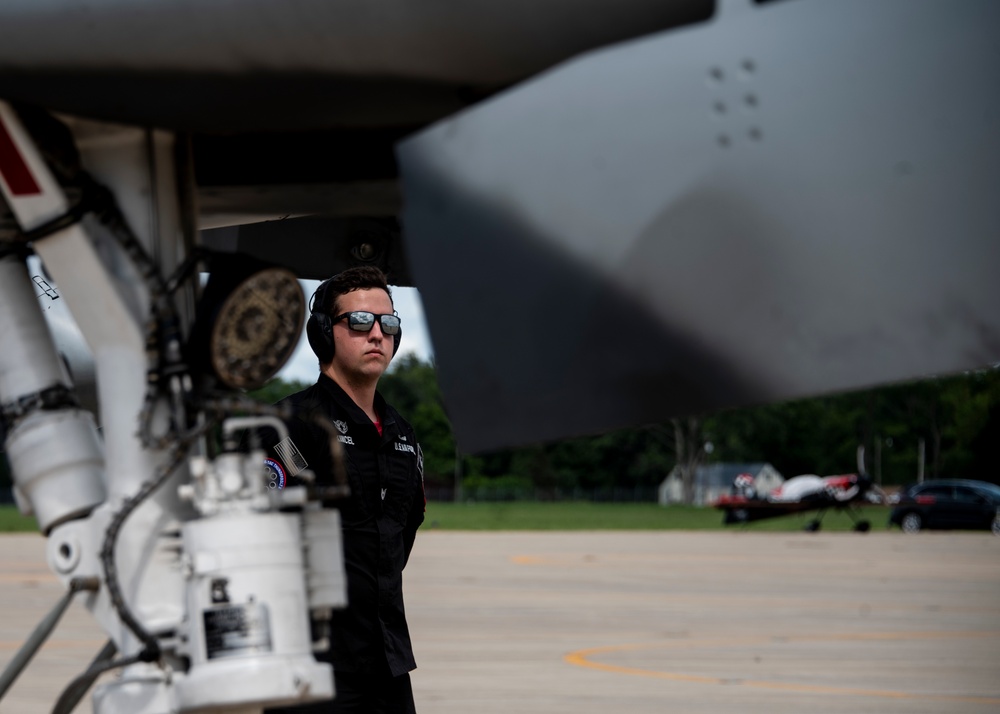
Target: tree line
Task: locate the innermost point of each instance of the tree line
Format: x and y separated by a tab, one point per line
944	427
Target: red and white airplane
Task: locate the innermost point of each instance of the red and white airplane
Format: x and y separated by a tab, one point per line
802	494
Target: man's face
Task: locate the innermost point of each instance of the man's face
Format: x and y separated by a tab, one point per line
363	355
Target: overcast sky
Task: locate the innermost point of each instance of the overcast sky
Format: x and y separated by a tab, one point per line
302	366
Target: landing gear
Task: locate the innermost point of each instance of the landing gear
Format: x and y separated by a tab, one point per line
813	526
860	524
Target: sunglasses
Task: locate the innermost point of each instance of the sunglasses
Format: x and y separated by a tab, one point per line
361	321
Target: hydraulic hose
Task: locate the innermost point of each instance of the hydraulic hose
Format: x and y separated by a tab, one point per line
41	633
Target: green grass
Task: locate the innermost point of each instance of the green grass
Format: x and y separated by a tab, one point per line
11	521
570	516
524	515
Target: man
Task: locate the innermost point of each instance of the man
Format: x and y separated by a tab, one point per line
355	332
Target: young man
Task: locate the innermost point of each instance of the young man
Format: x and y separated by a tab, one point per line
354	332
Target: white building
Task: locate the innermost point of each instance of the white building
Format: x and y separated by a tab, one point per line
714	480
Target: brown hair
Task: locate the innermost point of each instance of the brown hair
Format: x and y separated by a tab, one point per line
361	277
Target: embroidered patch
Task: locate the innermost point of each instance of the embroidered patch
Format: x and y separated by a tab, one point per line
341	425
290	454
275	473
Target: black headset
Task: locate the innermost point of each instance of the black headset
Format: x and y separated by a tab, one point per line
319	327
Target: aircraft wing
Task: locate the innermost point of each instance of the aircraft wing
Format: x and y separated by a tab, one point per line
780	199
795	198
293	65
292	107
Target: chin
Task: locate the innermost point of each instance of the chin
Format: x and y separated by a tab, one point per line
373	368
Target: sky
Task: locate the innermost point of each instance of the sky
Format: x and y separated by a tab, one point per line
302	366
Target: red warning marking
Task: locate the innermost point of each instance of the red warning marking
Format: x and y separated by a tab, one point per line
15	171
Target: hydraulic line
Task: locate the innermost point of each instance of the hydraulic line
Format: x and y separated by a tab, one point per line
42	632
76	689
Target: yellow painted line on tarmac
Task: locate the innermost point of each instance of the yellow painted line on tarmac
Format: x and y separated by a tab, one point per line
563	561
582	658
530	560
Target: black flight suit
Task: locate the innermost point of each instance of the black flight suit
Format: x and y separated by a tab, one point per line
369	640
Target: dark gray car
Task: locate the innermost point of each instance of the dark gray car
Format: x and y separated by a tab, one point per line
948	504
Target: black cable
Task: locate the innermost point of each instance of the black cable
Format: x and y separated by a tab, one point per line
76	689
186	269
91	674
151	647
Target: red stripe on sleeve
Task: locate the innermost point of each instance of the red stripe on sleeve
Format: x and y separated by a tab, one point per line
15	171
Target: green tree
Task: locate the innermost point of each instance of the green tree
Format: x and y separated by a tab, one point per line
276	390
951	417
411	386
956	418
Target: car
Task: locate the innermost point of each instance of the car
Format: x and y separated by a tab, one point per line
947	504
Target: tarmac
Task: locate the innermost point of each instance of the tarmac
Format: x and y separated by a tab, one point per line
645	622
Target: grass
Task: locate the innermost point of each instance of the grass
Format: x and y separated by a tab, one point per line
11	521
570	516
576	515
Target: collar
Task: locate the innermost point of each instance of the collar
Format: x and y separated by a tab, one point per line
356	413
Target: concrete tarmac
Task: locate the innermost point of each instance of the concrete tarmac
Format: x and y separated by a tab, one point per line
646	623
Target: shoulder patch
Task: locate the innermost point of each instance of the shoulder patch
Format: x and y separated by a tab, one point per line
289	453
275	473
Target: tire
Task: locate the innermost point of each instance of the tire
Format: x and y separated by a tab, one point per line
911	523
995	525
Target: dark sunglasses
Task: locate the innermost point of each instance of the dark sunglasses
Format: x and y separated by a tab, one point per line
361	321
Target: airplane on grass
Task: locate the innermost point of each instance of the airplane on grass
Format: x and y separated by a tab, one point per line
803	494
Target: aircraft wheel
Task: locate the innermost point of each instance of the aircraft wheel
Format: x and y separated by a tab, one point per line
995	526
812	526
911	523
862	526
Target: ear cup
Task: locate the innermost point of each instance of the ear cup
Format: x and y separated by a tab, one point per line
319	327
320	334
398	337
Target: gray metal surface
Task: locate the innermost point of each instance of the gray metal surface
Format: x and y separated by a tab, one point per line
316	247
796	198
294	64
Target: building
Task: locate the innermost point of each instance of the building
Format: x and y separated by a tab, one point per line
714	480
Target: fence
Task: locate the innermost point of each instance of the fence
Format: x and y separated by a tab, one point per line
637	494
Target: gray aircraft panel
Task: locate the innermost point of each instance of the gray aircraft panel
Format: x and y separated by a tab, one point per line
298	64
796	198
